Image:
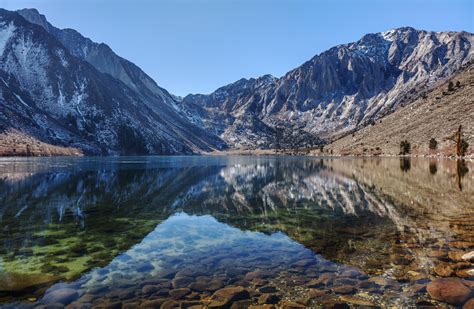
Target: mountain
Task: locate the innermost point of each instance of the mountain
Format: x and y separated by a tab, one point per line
59	88
64	89
333	94
436	113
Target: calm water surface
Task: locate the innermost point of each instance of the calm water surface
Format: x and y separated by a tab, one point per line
171	231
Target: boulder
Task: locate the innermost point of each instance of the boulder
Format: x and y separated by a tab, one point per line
449	290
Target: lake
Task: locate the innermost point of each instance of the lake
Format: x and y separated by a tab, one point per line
123	232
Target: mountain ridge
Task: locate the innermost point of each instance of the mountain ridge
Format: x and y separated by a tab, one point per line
81	106
354	85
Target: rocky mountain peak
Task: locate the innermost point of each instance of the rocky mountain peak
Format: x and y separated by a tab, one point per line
34	17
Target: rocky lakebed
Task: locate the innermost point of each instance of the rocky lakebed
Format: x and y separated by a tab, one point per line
236	232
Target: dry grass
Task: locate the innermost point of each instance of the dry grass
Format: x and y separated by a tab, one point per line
16	143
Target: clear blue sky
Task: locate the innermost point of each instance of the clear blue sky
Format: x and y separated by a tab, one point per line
196	46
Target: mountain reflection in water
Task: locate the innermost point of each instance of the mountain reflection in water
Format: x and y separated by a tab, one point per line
111	226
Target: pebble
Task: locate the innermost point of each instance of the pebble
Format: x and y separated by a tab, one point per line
242	304
469	257
268	299
456	256
357	301
437	254
469	304
304	263
291	305
226	296
152	303
267	289
315	293
260	274
149	289
324	279
352	273
168	304
443	270
461	244
181	282
179	293
343	289
465	273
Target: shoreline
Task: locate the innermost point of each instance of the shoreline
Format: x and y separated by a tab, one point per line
262	153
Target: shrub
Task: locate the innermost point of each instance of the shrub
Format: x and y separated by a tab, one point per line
450	86
404	147
405	164
458	84
433	144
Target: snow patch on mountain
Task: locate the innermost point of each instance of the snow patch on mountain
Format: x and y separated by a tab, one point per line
6	32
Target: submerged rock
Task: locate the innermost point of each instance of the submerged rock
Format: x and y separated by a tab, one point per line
257	274
357	301
11	282
468	257
324	279
467	273
181	282
443	270
267	289
469	304
179	293
63	296
343	289
226	296
456	256
291	305
450	290
268	299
